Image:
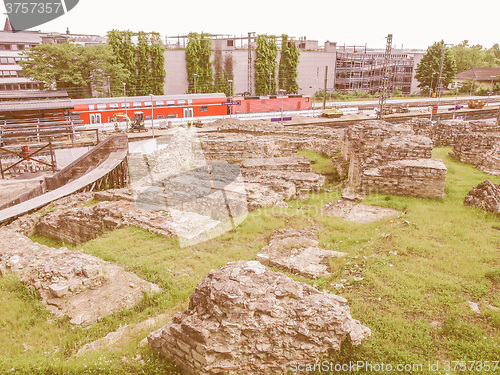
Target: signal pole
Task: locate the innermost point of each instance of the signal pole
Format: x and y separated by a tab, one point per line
385	78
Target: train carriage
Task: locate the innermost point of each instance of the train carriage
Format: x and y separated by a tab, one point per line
101	110
250	104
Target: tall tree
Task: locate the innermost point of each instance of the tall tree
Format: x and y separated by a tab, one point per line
265	64
158	73
124	51
74	68
228	75
198	65
288	65
428	68
467	56
144	61
219	81
144	78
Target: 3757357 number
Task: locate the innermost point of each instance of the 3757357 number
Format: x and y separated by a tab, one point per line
33	8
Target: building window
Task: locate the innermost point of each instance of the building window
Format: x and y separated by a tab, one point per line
230	43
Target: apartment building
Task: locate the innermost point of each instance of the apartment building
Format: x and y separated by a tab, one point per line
12	44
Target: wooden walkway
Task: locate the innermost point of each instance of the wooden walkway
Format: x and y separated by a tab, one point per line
86	182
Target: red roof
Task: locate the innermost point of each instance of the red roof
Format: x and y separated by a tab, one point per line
480	74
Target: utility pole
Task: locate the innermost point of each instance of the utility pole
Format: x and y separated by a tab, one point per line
440	78
324	91
385	78
250	62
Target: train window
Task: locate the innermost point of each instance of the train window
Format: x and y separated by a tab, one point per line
181	102
75	115
101	107
125	105
190	101
171	115
160	117
113	105
91	107
170	103
148	104
159	103
137	104
307	100
204	108
147	117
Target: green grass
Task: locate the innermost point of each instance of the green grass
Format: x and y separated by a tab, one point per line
407	278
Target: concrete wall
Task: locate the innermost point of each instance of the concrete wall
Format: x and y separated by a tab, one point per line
310	78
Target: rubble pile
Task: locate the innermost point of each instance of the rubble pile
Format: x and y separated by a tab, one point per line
297	251
246	319
80	286
485	196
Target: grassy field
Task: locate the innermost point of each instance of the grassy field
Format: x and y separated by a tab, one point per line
409	279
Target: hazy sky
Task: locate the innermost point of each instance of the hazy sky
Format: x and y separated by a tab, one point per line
415	24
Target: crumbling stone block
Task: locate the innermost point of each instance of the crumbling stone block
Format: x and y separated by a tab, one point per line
297	251
423	178
485	196
245	318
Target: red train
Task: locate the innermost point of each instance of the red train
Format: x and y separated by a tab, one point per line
101	110
251	104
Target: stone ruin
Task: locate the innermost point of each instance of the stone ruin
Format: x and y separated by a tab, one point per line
390	159
356	212
297	251
246	319
238	140
485	196
474	142
71	283
285	175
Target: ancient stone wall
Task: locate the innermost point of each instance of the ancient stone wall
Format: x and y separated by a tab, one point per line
391	159
423	178
246	319
237	140
471	148
491	161
280	173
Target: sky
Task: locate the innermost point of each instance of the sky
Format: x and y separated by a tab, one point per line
417	24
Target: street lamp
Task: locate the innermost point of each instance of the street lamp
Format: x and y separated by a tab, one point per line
125	96
282	91
152	116
432	80
109	87
492	77
195	82
230	96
